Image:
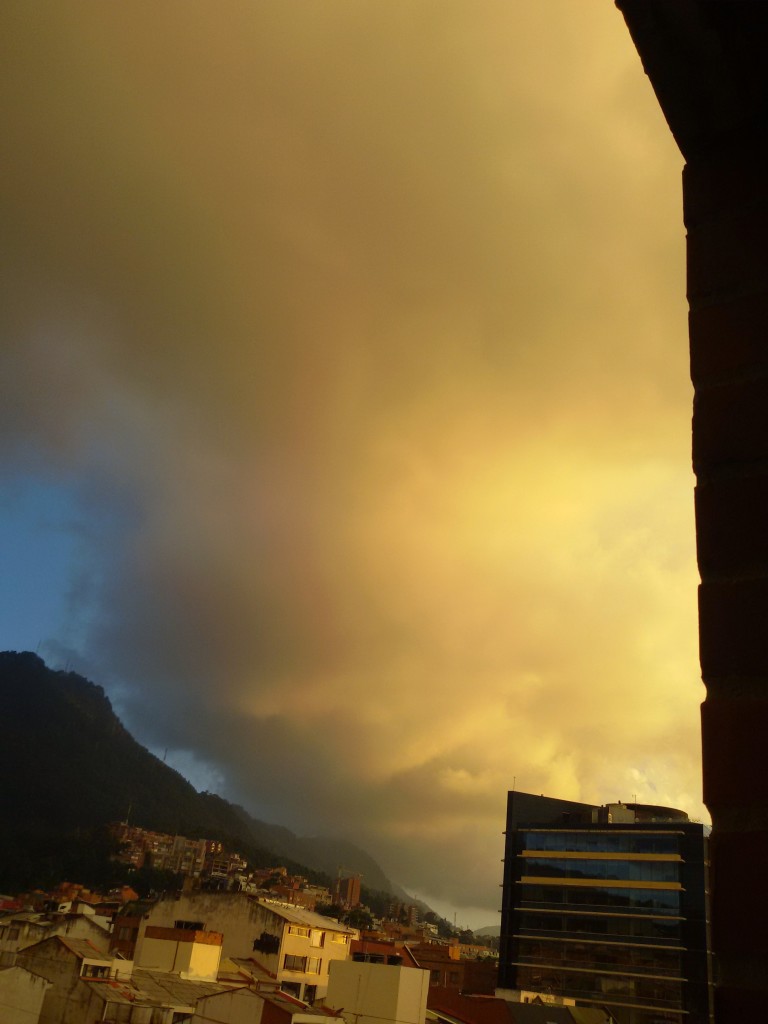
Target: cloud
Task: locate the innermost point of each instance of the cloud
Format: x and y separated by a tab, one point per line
360	330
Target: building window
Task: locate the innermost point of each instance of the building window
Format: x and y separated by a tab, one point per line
94	971
266	943
297	929
310	992
434	977
317	938
313	965
294	963
340	937
190	926
453	977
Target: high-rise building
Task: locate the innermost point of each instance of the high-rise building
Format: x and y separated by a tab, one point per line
347	892
606	906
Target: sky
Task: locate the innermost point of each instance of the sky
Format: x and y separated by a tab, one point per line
345	408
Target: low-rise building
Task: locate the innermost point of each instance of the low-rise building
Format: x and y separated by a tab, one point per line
64	962
243	1006
372	993
19	930
85	987
292	945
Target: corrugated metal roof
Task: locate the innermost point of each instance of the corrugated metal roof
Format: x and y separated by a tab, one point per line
298	915
156	988
84	949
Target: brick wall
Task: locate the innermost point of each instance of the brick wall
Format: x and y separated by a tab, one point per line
726	216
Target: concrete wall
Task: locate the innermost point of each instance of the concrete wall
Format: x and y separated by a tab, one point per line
57	965
237	1007
194	954
372	993
21	996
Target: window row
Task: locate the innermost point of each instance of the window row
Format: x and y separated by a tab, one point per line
302	964
611	870
658	929
661	992
658	901
594	956
601	842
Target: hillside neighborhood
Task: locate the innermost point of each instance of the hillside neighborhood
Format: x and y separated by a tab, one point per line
232	945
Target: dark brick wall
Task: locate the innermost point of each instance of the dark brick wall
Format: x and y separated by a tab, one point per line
726	217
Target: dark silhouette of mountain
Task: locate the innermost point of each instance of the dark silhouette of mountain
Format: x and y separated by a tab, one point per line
69	766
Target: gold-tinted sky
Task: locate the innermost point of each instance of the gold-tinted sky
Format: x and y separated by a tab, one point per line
360	329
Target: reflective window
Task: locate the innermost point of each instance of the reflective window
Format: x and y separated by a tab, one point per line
601	842
619	870
651	928
664	993
595	955
662	901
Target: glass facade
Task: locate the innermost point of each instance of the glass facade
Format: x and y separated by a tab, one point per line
620	926
610	915
658	901
610	870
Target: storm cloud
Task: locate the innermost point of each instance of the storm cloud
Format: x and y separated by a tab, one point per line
359	330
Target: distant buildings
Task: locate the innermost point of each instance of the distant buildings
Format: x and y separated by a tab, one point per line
193	858
346	892
230	944
606	906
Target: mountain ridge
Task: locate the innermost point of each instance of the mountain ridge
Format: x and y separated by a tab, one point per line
75	766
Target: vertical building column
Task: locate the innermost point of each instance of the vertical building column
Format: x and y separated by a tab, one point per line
726	216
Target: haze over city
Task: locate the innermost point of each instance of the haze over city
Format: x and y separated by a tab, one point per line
346	409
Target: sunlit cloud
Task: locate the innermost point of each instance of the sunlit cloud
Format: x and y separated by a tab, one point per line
359	330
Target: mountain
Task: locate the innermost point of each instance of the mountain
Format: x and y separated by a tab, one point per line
70	766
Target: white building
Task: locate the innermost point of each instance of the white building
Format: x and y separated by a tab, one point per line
366	993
